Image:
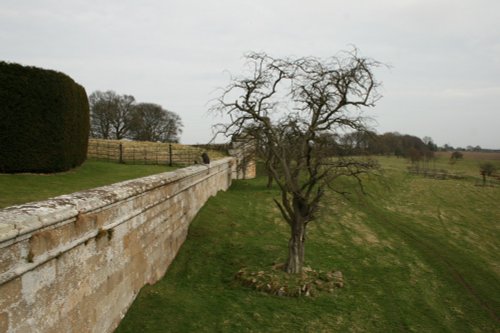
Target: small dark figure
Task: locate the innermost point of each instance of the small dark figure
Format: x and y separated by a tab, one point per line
205	158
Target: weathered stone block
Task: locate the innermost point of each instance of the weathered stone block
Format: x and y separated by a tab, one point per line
4	321
12	256
11	293
42	242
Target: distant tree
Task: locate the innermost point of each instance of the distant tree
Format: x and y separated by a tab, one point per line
447	147
353	141
292	107
122	121
150	122
410	142
102	106
414	155
393	144
373	143
486	169
115	116
456	155
429	143
402	145
110	114
360	142
398	152
427	140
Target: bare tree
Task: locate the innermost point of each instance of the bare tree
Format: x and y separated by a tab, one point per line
153	123
110	114
102	107
292	108
455	156
486	169
172	127
122	119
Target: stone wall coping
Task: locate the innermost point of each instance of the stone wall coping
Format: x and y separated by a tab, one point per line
22	219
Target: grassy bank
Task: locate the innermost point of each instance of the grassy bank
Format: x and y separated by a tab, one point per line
22	188
417	255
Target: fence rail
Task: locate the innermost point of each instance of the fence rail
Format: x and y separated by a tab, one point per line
132	152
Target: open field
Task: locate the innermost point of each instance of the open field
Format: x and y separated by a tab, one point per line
472	155
467	167
22	188
417	254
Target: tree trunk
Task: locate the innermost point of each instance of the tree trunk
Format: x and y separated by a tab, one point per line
269	181
296	247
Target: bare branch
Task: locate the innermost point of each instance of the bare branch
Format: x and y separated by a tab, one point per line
295	109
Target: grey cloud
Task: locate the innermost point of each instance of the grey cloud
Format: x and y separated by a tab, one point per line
445	55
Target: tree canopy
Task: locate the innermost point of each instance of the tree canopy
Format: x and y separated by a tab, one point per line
115	116
486	169
150	122
110	114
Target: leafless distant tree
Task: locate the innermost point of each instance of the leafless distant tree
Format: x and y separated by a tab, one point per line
150	122
115	116
102	105
110	114
122	121
292	108
455	156
486	169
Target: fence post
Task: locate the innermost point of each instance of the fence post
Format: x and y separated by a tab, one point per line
121	154
170	154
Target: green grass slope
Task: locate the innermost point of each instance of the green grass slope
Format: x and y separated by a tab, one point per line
418	255
21	188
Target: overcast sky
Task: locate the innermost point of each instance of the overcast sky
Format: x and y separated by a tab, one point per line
444	80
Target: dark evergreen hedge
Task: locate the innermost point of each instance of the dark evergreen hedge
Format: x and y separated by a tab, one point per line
44	120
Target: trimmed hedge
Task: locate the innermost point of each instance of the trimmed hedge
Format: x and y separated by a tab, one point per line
44	120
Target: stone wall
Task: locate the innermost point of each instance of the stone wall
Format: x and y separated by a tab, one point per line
75	263
244	152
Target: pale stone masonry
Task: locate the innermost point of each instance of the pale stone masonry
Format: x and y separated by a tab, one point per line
75	263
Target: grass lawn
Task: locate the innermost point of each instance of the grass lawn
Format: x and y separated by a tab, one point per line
22	188
417	254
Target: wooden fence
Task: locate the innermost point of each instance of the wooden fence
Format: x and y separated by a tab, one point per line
133	152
